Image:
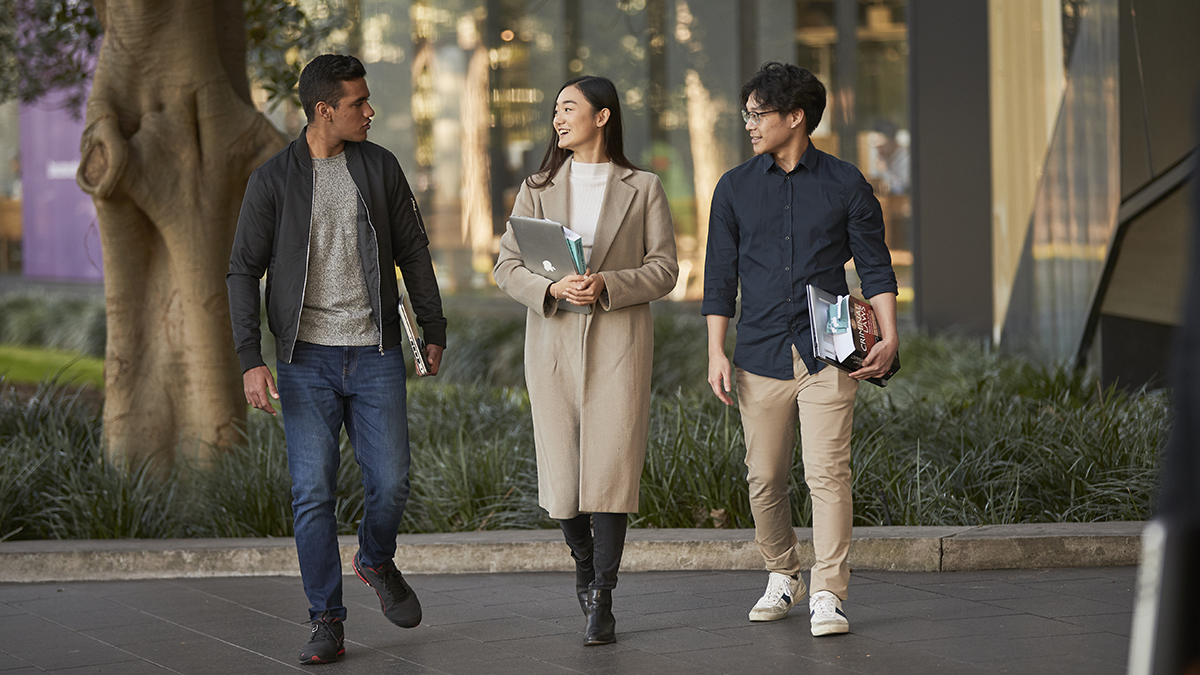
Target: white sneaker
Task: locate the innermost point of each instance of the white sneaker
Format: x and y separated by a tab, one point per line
782	592
826	615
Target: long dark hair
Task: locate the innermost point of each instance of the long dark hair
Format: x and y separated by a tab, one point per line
600	93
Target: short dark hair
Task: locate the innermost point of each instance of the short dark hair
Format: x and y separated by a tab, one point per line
322	78
786	88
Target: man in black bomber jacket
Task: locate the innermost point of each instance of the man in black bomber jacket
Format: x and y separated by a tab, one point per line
328	219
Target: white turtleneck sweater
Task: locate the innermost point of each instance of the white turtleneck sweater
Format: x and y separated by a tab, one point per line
587	194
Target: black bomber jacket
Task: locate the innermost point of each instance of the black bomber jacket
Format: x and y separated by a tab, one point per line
273	237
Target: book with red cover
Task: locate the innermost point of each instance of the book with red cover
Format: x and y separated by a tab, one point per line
844	329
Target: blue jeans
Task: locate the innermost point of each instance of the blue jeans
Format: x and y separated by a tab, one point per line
320	390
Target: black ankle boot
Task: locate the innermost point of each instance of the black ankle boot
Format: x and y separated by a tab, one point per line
601	625
585	573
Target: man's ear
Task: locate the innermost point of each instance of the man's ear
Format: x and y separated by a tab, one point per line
796	118
323	111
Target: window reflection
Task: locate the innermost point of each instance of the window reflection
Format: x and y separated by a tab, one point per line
464	91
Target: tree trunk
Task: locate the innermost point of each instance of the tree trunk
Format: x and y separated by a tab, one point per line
170	141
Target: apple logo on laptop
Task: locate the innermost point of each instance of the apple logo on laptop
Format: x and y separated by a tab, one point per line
547	264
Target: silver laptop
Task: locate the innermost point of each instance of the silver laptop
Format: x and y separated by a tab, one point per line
544	249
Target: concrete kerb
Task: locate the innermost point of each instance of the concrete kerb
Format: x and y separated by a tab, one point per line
912	549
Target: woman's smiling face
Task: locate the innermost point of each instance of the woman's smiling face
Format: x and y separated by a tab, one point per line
576	123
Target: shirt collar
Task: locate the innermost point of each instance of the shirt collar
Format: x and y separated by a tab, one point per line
808	160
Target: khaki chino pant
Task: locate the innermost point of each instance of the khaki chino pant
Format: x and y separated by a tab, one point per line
824	406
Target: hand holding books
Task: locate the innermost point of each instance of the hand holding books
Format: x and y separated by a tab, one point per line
579	289
553	251
846	335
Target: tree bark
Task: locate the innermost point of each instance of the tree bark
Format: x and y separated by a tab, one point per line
170	141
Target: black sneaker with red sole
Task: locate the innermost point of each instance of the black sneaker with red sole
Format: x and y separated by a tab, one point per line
396	597
326	643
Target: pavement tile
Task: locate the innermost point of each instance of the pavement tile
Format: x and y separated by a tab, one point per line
24	670
450	655
941	608
981	650
1099	646
1101	589
365	660
876	594
463	612
711	618
14	593
670	640
66	603
660	603
106	589
1061	665
1015	626
865	655
515	666
382	633
512	628
11	664
564	607
634	622
606	661
10	610
1055	606
156	631
124	668
699	582
757	659
1118	624
68	651
117	616
200	655
648	583
896	628
743	598
502	595
789	635
561	645
985	591
455	582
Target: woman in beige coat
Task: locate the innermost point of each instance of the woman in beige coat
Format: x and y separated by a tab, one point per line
589	374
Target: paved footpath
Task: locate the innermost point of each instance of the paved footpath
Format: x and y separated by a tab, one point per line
1059	621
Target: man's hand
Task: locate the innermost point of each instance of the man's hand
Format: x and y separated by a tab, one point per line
587	291
878	360
258	383
433	358
720	374
720	377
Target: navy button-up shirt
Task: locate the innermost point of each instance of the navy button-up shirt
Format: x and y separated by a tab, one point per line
777	232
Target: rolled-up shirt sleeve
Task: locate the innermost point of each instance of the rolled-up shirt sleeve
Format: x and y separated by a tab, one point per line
868	245
721	258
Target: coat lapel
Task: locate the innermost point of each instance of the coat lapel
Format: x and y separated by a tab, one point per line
618	195
555	196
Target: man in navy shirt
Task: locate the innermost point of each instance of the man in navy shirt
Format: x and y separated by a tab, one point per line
789	217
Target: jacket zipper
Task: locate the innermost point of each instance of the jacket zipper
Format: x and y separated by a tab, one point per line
417	213
378	270
307	252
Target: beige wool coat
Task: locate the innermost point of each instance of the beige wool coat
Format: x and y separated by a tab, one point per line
589	374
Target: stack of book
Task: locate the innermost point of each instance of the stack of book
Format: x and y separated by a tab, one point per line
844	329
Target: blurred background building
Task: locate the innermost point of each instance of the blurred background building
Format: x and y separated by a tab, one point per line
1029	154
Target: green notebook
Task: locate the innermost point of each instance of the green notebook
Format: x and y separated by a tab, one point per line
575	244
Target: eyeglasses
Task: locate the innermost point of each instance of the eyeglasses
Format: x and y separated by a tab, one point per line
755	117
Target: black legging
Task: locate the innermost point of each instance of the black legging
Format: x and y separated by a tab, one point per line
607	544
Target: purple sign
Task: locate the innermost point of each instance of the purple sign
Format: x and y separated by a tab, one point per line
60	233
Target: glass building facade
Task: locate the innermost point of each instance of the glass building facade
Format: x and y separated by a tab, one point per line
464	93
